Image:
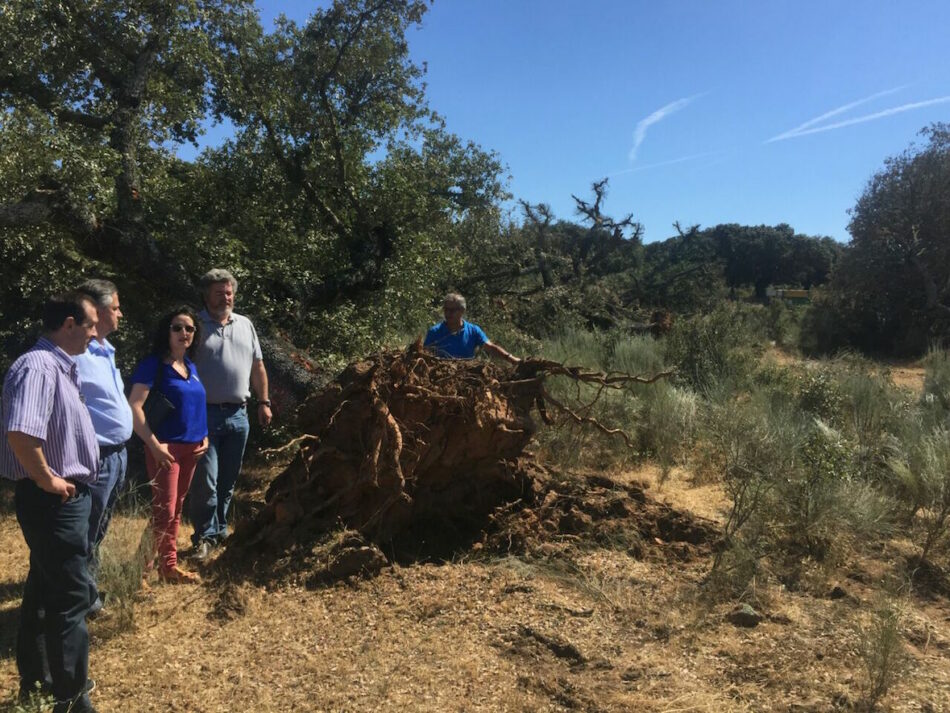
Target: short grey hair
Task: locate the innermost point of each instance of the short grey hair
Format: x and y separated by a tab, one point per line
454	298
213	277
101	291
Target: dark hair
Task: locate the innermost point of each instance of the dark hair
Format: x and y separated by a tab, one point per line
69	304
101	291
162	335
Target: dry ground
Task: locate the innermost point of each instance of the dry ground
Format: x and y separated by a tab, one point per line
908	375
600	632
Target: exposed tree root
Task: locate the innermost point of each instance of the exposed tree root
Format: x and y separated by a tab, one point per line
405	447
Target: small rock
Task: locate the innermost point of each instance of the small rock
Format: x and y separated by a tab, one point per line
744	615
837	592
633	673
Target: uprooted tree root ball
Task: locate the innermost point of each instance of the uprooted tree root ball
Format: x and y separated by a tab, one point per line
408	453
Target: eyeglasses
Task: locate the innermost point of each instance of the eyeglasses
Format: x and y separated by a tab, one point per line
187	327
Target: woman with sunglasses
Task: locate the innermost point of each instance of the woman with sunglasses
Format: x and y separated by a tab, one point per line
173	448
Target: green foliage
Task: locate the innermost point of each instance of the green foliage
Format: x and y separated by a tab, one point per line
716	348
922	468
749	444
30	271
872	408
890	292
761	256
642	355
882	653
935	400
820	394
783	323
811	501
37	702
659	417
666	423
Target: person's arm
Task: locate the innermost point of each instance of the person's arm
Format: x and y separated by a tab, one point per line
497	351
159	450
260	386
29	451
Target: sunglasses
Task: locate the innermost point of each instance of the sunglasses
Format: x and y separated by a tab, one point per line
187	327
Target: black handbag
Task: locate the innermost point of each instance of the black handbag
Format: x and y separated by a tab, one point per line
157	407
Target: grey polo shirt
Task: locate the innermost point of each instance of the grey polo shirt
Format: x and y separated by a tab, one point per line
225	357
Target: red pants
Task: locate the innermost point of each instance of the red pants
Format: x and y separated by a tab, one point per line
169	487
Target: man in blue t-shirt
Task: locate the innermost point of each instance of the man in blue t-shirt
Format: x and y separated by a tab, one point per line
454	338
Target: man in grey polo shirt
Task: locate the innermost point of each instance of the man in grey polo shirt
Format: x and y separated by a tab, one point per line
230	364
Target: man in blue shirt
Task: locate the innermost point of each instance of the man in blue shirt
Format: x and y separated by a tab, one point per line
104	394
454	338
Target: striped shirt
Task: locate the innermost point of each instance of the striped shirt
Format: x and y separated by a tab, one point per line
41	398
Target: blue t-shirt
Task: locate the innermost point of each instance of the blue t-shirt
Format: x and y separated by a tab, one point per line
461	345
188	423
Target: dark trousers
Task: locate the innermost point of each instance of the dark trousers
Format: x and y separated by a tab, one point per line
52	643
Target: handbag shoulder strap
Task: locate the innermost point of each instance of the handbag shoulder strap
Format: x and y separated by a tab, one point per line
159	374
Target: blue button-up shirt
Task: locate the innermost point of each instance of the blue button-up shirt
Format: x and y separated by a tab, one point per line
102	387
41	398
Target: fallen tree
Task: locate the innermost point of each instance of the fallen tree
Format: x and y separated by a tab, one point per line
404	447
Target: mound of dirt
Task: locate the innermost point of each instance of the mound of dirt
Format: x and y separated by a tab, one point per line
594	510
405	452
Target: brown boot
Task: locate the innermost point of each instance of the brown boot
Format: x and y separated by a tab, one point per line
176	575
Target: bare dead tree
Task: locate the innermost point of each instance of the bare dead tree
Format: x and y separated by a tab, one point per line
540	217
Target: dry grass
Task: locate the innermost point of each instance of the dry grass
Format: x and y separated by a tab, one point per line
601	632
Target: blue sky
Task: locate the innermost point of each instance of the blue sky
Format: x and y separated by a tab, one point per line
699	111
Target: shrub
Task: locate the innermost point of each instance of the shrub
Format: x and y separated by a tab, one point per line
819	393
577	347
755	442
819	506
922	468
783	323
667	423
882	653
122	558
639	354
718	347
870	410
935	400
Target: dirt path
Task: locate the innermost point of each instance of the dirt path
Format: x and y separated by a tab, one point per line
907	375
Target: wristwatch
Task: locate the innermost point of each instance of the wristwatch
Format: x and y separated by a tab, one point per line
263	402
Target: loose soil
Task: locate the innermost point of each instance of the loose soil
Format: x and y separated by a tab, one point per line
597	627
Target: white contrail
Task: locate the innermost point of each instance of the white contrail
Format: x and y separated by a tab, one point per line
681	159
862	119
834	112
641	131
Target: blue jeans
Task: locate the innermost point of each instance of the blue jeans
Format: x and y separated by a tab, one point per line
113	463
112	467
52	642
213	485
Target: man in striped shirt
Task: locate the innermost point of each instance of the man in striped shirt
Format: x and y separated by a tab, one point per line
48	446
